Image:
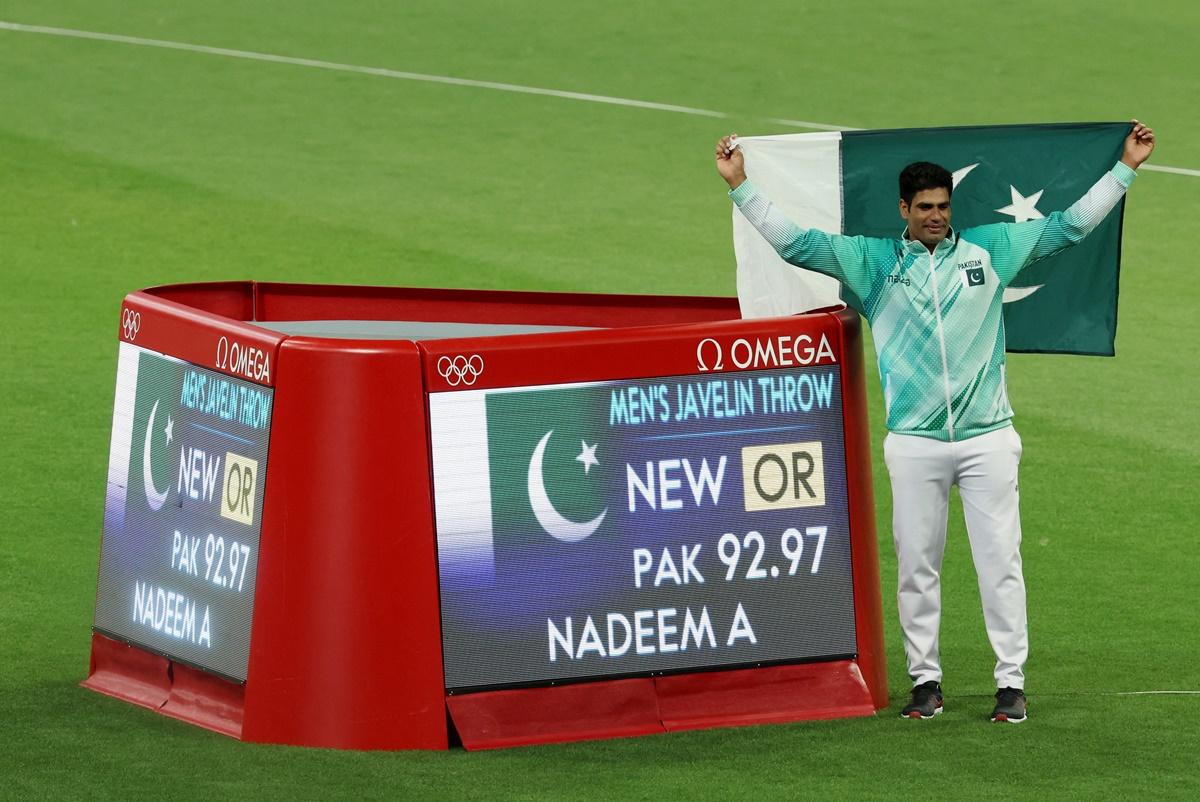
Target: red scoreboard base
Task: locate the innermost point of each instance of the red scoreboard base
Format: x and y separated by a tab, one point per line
345	648
644	706
132	675
524	717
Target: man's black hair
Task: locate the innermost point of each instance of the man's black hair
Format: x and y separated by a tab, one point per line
919	176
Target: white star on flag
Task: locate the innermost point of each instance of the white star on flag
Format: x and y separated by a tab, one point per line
170	430
587	456
1023	208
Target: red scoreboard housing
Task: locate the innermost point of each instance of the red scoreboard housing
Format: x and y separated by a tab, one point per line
346	640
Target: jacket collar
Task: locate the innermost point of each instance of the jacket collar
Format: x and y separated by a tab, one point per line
916	247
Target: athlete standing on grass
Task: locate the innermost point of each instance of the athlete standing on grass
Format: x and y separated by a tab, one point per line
933	298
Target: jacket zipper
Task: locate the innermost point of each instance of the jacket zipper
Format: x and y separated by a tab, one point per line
937	311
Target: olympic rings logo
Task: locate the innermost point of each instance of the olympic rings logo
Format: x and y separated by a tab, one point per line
460	369
131	321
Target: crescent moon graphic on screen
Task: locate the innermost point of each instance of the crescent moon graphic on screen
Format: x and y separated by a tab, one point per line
1011	294
552	521
154	498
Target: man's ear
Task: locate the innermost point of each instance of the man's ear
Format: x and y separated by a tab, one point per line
903	209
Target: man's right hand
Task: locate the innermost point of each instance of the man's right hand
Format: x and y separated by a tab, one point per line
730	162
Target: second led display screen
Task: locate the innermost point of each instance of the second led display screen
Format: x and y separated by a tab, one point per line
622	528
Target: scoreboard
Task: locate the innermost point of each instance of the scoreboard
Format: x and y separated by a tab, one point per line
382	518
183	510
659	524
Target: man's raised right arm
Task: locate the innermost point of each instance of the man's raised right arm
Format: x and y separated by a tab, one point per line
844	258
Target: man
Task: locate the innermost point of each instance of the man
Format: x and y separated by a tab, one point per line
933	298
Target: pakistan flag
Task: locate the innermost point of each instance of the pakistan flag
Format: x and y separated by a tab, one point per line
552	469
846	182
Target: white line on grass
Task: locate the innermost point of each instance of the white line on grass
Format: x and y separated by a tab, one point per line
440	79
806	124
377	71
1159	168
1157	693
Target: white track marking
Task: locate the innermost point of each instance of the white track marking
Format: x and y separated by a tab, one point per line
442	79
1158	168
376	71
806	124
1157	693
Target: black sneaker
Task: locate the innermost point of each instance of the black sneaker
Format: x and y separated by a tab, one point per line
1010	705
926	701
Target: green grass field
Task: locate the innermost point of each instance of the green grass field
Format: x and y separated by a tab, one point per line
123	166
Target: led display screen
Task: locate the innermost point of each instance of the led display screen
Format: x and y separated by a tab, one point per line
634	527
182	515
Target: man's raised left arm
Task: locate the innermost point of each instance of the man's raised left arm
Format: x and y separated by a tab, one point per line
1037	239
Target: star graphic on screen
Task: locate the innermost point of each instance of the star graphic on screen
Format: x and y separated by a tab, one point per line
1023	208
587	456
170	429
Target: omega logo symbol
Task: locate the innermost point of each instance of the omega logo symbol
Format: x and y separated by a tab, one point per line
246	360
779	351
716	351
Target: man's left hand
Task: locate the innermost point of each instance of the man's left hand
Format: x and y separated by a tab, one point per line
1138	145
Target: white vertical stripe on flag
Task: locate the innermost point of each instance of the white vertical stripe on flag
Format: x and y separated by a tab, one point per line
802	176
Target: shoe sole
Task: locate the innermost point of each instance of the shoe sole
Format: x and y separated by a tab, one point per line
937	711
1003	719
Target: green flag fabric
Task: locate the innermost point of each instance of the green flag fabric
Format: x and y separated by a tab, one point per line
846	182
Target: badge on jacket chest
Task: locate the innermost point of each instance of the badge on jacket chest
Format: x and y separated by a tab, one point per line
973	277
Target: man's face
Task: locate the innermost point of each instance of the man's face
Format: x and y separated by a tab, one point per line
928	216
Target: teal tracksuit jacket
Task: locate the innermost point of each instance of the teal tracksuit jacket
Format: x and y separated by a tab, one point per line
937	318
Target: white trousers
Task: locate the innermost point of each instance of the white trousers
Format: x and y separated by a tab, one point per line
985	470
